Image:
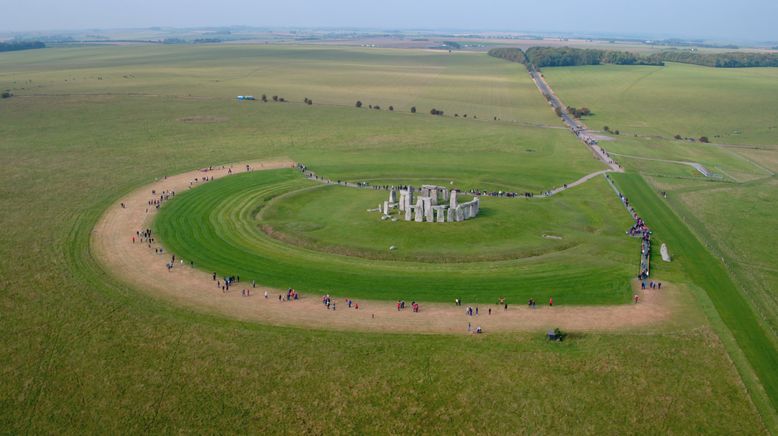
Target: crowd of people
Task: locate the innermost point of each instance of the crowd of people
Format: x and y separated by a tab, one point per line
640	230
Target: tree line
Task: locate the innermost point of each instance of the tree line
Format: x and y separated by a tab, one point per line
21	45
720	60
509	54
567	56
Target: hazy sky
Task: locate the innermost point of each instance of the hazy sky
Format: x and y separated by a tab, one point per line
743	19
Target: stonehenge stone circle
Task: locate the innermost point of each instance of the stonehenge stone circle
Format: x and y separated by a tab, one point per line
432	204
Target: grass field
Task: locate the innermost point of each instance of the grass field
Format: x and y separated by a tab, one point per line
83	352
216	225
729	106
463	83
709	273
728	213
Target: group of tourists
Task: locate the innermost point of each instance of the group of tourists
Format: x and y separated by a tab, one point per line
476	331
329	302
158	199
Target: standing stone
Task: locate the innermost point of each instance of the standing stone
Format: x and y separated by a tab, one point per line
434	196
408	213
386	208
451	215
665	253
453	199
401	206
441	211
392	196
444	194
419	209
428	212
460	214
466	208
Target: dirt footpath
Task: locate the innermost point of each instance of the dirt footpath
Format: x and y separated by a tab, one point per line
138	265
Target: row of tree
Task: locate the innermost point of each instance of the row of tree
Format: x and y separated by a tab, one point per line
20	45
567	56
509	54
720	60
377	107
277	99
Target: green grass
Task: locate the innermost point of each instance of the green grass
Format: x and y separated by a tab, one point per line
215	226
709	273
333	219
729	106
83	353
463	83
747	244
729	214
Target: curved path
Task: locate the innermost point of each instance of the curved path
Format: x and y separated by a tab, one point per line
138	265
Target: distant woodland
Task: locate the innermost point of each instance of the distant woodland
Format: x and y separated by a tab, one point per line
20	45
566	56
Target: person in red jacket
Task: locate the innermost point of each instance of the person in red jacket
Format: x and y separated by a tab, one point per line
551	301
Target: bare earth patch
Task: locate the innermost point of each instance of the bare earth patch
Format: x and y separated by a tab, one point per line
138	265
202	119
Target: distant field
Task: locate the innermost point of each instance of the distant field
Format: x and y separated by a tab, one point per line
729	106
462	83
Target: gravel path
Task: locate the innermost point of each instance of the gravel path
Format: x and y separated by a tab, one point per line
139	266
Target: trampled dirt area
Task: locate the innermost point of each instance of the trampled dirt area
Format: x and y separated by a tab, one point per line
137	264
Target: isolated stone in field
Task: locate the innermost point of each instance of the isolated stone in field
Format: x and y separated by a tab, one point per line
392	248
665	253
